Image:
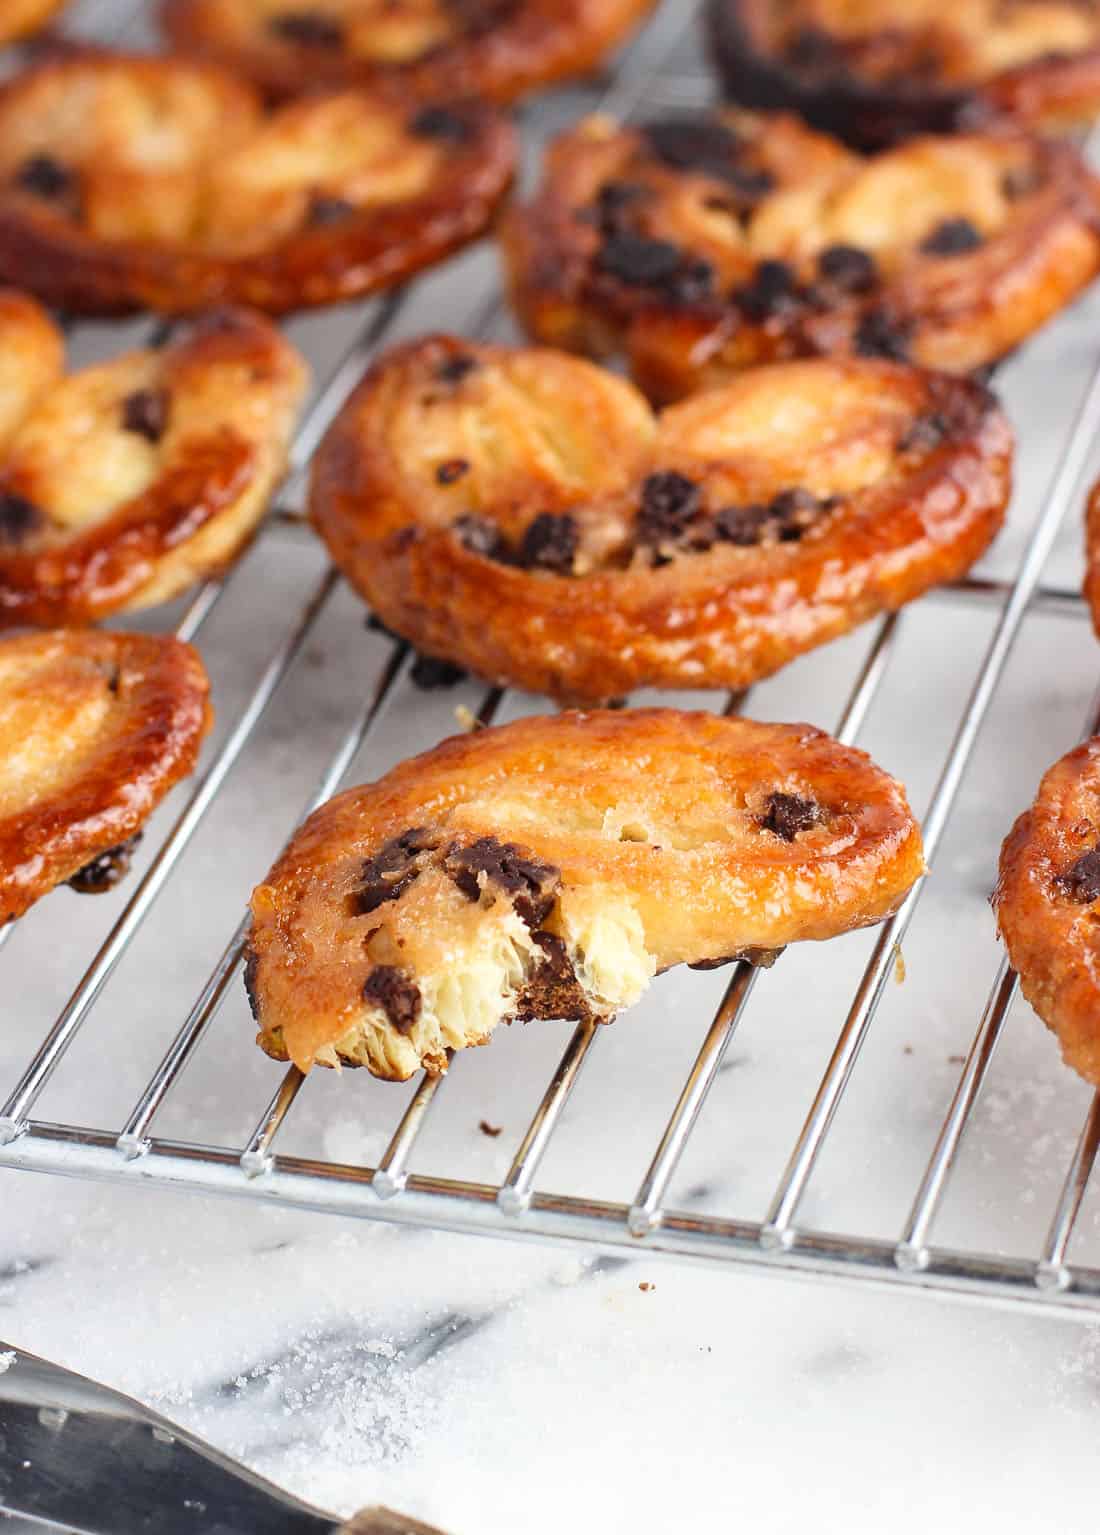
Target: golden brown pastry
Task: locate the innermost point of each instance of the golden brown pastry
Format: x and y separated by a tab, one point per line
123	483
493	50
95	729
19	18
698	245
130	182
1092	556
1046	902
549	868
523	513
876	71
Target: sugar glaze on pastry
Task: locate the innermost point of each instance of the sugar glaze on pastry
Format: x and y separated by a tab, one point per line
123	483
550	868
95	729
131	182
524	514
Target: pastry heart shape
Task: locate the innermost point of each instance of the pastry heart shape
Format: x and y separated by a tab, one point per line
525	514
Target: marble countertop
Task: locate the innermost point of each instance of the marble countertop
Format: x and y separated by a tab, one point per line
493	1386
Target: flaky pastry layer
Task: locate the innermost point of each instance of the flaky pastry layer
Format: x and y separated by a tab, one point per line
549	868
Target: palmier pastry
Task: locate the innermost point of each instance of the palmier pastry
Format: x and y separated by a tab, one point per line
19	18
876	71
549	868
95	728
523	513
699	245
123	483
1047	905
129	182
492	50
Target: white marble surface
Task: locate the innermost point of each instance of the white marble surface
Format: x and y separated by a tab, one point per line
493	1387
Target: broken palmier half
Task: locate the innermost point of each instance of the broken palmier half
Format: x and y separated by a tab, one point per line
21	18
874	71
125	482
697	245
495	50
131	182
1048	905
550	868
525	514
95	729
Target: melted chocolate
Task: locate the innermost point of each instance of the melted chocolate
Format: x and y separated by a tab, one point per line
550	543
145	412
308	29
1081	881
106	869
787	814
19	518
396	993
532	885
388	873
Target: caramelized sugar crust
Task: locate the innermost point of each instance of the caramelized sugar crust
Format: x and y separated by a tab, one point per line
876	71
123	483
550	868
1047	905
700	245
525	514
132	182
490	50
95	729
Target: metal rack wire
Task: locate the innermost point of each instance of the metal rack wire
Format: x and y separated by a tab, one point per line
516	1206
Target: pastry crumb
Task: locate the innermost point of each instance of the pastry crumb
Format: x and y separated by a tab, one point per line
645	1287
487	1129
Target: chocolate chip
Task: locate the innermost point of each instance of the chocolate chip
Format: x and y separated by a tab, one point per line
45	177
550	543
1081	881
551	990
389	872
309	29
741	525
814	50
881	334
788	814
773	290
455	368
452	469
145	413
924	433
532	885
848	267
441	123
487	1129
615	201
793	511
694	280
396	993
18	518
481	536
638	260
106	869
324	211
952	237
670	502
251	967
429	673
691	141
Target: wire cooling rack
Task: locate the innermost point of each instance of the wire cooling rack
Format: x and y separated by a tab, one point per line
660	69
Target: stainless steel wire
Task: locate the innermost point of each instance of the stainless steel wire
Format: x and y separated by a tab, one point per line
393	1190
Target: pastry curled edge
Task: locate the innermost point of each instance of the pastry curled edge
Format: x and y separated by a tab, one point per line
95	728
433	49
876	73
1046	903
130	181
525	514
699	245
123	483
550	868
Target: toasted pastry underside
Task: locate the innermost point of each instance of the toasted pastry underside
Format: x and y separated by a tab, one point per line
130	182
1048	905
95	729
873	72
524	513
549	868
699	245
123	483
19	18
433	49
